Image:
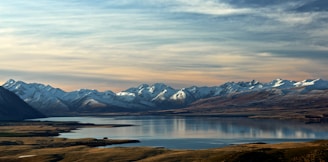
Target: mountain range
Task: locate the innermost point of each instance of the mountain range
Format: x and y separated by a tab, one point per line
53	101
13	108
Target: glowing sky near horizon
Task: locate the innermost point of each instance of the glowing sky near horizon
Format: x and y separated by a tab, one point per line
117	44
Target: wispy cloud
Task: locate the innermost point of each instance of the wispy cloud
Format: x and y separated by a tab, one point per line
210	41
209	7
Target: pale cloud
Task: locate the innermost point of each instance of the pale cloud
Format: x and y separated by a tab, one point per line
183	42
210	7
295	18
283	12
287	13
265	54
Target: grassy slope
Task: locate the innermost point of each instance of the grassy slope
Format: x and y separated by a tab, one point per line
314	151
266	104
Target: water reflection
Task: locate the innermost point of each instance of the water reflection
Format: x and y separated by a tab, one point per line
210	130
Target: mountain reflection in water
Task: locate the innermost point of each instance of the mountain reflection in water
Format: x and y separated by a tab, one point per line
196	132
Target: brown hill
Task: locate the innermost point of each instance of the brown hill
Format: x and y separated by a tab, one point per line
272	103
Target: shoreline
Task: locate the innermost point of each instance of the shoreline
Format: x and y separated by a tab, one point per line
50	129
45	146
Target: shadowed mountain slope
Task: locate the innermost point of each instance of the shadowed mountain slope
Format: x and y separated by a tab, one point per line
13	108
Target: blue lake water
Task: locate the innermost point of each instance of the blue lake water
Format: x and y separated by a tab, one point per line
177	132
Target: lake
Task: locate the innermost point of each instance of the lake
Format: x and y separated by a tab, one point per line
176	132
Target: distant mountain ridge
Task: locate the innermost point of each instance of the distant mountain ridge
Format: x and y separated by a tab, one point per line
13	108
145	97
269	103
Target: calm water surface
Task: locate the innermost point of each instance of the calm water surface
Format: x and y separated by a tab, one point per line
196	132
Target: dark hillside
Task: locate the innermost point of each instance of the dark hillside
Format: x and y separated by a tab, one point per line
13	108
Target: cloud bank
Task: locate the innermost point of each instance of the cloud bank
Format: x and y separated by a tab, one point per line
121	43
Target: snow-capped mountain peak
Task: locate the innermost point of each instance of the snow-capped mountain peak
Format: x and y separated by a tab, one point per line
10	81
281	84
147	92
312	84
144	97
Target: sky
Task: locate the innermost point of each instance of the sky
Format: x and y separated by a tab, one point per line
117	44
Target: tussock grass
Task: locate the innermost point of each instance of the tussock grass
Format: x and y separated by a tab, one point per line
294	152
